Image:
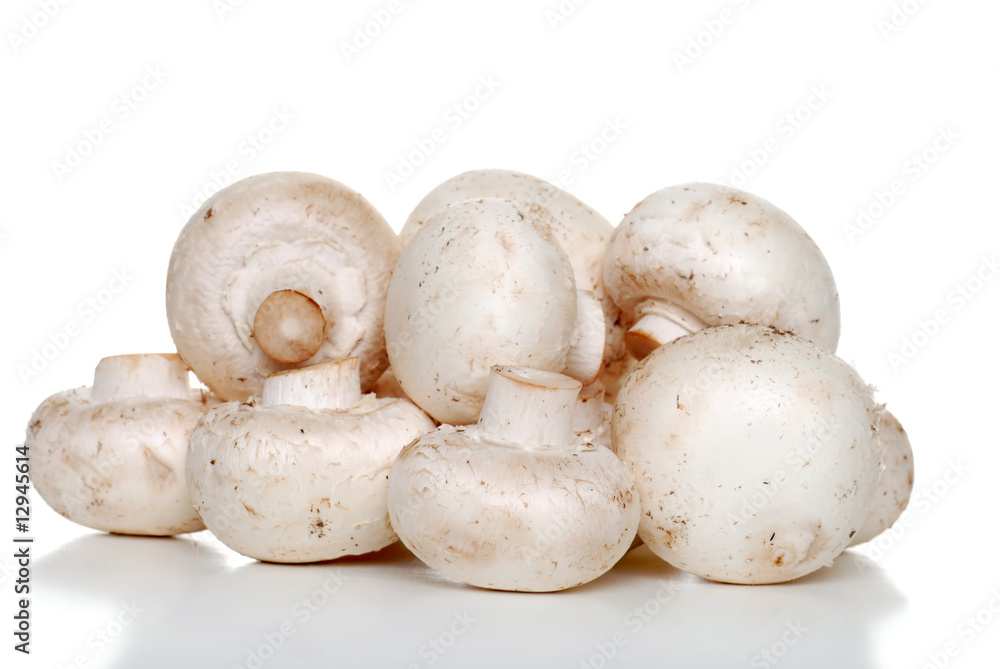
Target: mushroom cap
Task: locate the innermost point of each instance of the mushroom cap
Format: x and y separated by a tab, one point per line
580	230
497	516
272	232
117	464
725	257
895	483
481	284
755	453
289	484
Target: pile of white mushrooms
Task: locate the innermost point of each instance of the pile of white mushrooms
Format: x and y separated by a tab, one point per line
512	387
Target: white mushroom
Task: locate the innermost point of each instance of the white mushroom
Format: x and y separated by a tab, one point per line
895	484
754	452
483	284
111	456
299	475
515	502
580	230
592	415
701	255
275	271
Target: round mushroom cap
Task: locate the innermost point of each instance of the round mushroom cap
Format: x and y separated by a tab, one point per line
497	516
285	483
274	236
714	255
481	284
895	484
116	464
581	231
755	453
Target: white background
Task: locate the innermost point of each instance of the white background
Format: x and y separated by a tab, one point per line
881	93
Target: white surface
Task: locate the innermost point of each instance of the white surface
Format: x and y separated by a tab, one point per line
609	68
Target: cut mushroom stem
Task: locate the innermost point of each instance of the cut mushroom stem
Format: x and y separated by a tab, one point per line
141	375
529	407
289	327
659	323
332	385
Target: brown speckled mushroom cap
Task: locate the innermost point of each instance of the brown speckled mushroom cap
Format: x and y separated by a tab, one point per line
755	453
579	229
701	254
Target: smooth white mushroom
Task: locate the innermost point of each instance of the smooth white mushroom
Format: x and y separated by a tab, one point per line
299	475
895	483
275	271
755	453
517	501
580	230
483	284
700	255
592	415
111	456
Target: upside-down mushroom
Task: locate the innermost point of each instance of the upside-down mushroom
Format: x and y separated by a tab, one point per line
517	501
111	456
299	474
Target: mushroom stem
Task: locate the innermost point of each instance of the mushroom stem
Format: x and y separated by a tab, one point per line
332	385
288	327
588	412
529	407
658	324
586	353
140	375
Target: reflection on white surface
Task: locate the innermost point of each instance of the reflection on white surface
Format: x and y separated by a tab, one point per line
117	601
